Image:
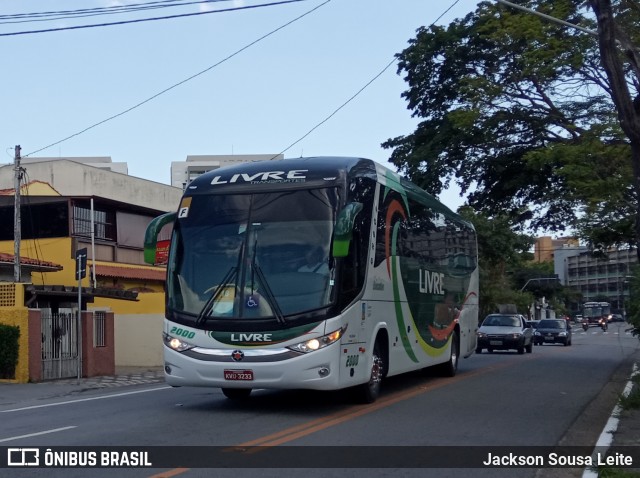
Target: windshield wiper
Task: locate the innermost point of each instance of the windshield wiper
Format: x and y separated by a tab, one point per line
268	293
202	316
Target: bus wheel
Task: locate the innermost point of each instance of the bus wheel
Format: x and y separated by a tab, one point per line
449	368
236	393
369	392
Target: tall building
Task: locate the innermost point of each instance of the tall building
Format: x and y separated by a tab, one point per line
545	247
183	172
602	278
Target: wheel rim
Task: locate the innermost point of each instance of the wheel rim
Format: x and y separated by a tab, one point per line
376	373
454	355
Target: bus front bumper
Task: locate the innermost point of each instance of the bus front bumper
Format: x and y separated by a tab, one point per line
281	369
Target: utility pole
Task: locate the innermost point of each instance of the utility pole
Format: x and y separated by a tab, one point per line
16	216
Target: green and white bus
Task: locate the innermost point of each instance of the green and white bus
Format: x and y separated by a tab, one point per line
313	273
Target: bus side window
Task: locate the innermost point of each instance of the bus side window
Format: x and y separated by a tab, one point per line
354	266
350	266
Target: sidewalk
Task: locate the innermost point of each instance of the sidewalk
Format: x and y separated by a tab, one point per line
23	393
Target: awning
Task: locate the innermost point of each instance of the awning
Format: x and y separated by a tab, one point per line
70	293
139	273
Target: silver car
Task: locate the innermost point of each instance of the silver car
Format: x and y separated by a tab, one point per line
505	332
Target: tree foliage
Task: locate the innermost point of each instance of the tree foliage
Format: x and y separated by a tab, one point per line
517	111
633	306
620	59
500	251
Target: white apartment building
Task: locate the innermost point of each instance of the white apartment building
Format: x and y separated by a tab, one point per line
183	172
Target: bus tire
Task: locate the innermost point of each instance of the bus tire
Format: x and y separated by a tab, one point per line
450	367
236	393
370	391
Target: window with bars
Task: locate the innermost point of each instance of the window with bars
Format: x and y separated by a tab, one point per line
103	221
99	329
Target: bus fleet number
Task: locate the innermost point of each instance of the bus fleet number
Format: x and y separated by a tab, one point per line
352	360
178	332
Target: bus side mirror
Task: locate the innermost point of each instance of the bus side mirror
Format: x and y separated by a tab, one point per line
151	235
344	229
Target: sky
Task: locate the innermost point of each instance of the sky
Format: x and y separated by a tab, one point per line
260	100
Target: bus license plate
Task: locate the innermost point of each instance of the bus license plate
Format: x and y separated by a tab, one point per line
241	375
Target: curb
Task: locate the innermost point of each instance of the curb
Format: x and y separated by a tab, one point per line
607	437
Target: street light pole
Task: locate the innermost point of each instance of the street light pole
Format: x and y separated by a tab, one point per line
548	17
539	279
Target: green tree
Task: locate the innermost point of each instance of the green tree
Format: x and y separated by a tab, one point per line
540	280
517	111
500	251
620	59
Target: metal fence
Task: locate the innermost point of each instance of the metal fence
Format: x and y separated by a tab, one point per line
59	345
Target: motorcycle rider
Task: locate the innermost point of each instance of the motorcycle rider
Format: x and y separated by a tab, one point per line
604	323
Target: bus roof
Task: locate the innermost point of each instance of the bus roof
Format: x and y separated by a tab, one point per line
320	171
280	173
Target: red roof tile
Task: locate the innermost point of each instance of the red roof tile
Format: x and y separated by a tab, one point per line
9	258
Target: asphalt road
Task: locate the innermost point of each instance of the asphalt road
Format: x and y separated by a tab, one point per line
555	395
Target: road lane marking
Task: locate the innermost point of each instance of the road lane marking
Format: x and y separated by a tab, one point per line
170	473
318	424
356	411
89	399
45	432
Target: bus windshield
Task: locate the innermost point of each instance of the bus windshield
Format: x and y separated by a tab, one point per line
596	310
249	256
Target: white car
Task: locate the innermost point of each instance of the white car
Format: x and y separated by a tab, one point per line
505	332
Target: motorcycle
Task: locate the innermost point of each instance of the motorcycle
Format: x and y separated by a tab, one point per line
604	323
585	324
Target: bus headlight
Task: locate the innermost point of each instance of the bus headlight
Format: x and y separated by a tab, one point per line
317	343
175	343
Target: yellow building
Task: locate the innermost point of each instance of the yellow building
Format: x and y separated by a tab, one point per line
67	207
545	247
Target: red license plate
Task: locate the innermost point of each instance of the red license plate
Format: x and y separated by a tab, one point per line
241	375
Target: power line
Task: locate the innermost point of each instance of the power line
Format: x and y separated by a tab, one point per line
339	107
183	81
140	20
358	92
83	12
387	66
